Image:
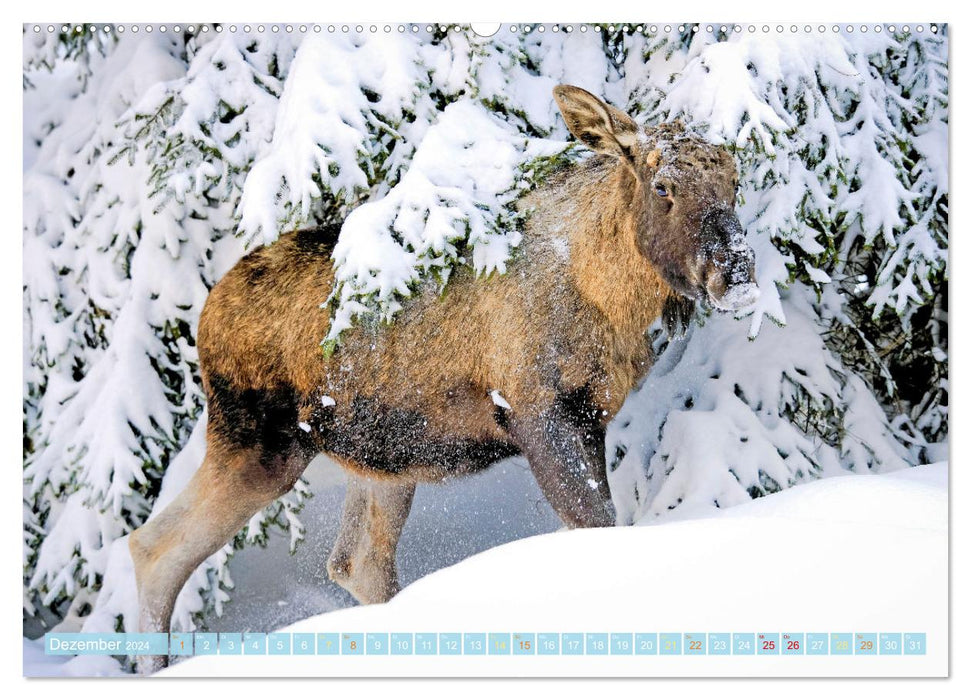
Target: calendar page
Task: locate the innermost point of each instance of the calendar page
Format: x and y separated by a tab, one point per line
449	350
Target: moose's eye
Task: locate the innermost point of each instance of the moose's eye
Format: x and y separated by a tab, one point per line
661	190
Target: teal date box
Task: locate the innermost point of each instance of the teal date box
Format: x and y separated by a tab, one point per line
719	644
450	644
180	644
767	643
523	644
793	644
206	643
891	643
352	644
500	643
670	644
817	644
645	643
377	643
598	644
304	643
695	643
841	644
278	643
402	643
915	643
865	644
621	644
230	643
426	643
474	644
254	643
743	643
328	643
572	643
548	643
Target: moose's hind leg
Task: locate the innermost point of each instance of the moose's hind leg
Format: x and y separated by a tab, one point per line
253	456
363	559
219	499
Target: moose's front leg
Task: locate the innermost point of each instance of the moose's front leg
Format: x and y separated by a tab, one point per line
363	560
565	449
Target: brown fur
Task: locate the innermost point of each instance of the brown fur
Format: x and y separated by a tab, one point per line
561	336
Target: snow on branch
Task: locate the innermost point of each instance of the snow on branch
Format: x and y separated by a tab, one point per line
339	117
773	413
452	207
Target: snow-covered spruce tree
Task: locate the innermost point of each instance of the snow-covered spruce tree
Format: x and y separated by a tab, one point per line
421	143
74	278
146	161
842	156
895	286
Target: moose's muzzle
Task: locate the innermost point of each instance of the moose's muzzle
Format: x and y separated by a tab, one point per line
730	276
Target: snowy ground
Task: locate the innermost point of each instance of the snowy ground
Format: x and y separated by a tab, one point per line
448	523
855	553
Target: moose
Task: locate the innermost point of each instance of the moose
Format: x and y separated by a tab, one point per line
534	362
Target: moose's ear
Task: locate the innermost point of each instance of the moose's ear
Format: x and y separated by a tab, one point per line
598	125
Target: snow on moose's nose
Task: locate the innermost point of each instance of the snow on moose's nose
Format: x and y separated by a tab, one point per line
738	297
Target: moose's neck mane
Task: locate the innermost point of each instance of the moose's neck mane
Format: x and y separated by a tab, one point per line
606	265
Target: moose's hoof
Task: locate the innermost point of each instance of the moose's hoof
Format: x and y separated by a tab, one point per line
367	580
